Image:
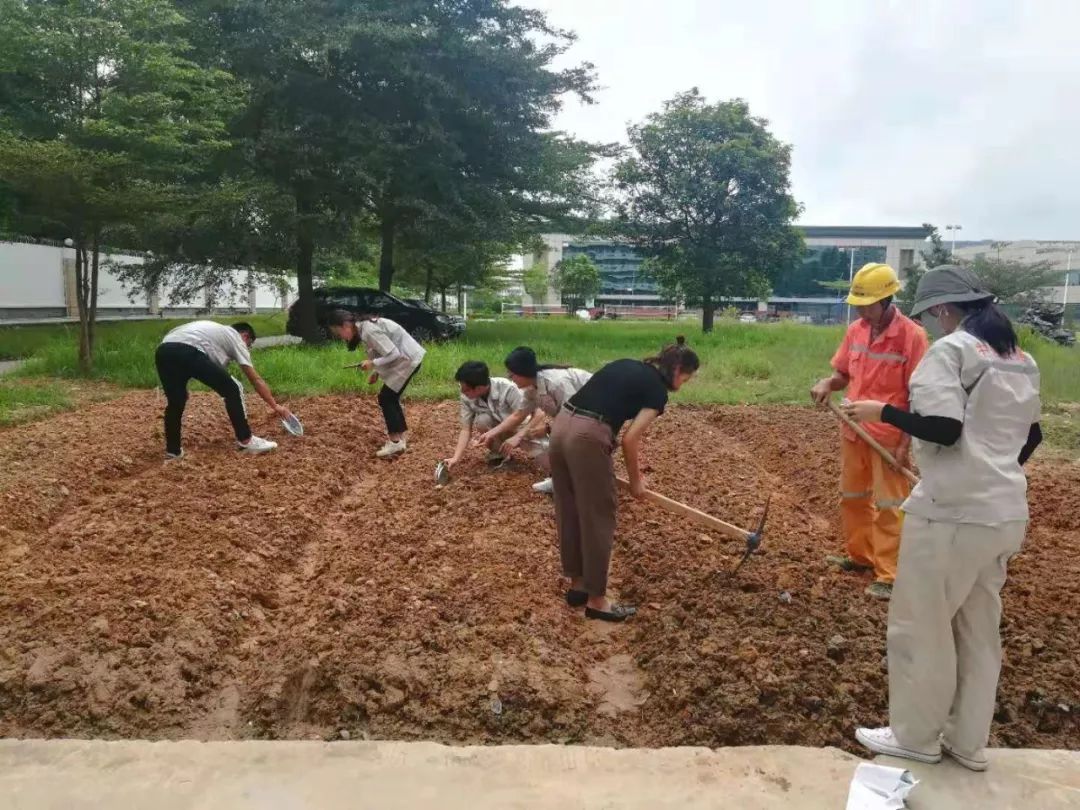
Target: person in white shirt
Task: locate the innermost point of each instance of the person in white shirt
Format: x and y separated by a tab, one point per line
202	350
394	355
975	419
488	404
547	388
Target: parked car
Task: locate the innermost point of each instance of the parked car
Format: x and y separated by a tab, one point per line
424	305
747	317
423	323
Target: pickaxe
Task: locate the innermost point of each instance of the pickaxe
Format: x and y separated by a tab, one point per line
860	431
752	539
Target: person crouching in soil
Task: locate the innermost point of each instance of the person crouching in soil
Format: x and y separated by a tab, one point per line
394	355
975	417
201	350
547	388
582	443
489	404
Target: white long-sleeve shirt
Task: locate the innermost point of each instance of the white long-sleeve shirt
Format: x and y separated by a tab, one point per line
554	386
392	350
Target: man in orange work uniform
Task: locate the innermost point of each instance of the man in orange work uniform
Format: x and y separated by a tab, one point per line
877	358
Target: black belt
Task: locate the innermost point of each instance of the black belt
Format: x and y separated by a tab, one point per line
599	417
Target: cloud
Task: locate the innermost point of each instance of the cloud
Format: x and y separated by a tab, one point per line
899	112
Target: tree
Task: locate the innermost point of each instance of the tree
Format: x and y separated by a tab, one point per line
1015	282
104	119
298	130
457	113
577	279
706	194
535	282
440	253
394	111
935	257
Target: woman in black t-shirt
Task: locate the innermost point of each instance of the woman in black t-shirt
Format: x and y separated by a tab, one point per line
582	442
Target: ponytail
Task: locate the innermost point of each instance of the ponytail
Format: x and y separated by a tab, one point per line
988	322
674	358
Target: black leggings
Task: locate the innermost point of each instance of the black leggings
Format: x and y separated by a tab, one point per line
176	364
390	402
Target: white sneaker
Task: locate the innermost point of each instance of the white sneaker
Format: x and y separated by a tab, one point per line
976	762
883	741
391	449
256	445
173	456
546	486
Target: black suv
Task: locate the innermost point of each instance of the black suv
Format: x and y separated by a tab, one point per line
420	322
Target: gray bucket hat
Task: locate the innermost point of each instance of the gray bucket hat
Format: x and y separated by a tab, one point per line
948	284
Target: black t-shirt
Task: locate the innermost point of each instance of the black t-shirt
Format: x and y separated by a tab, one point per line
620	389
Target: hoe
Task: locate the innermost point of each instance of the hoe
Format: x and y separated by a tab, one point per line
751	538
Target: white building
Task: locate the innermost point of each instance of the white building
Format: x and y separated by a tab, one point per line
1062	254
623	284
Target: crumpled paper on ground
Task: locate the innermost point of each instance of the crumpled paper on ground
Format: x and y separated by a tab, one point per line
879	787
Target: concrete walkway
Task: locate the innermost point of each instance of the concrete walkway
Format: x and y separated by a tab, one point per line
55	775
275	340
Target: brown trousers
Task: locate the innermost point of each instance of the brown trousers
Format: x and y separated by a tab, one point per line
584	479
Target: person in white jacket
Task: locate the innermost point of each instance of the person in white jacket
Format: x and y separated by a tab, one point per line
546	388
394	355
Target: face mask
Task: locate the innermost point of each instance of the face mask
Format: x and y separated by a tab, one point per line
932	325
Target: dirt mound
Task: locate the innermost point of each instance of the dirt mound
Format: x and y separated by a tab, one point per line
317	590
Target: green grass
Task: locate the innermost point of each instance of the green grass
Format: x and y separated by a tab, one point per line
22	401
58	341
741	363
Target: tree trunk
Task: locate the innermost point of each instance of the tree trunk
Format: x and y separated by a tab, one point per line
386	257
460	296
708	309
82	300
442	291
427	286
91	322
306	322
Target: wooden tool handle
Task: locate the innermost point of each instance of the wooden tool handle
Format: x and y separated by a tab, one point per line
860	431
696	515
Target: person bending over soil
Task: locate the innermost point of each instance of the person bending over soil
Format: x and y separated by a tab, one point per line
202	350
547	388
582	443
489	404
392	354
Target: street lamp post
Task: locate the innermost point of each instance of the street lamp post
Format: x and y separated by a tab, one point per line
1065	299
850	279
954	229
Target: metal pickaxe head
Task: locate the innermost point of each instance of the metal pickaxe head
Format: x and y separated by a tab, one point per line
754	538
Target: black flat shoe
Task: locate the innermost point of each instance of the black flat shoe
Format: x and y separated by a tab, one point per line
618	613
576	598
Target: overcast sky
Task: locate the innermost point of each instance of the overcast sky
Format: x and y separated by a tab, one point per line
900	111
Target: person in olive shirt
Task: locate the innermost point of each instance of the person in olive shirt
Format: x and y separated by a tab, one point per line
582	471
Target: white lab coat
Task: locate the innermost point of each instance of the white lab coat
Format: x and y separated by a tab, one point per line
392	350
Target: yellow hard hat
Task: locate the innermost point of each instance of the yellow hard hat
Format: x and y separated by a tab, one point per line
873	282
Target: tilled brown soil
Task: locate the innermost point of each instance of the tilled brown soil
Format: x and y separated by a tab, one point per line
316	590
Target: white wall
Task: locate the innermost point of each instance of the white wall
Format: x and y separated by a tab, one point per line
112	294
31	275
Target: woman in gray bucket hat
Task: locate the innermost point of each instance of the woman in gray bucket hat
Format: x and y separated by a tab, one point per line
975	420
